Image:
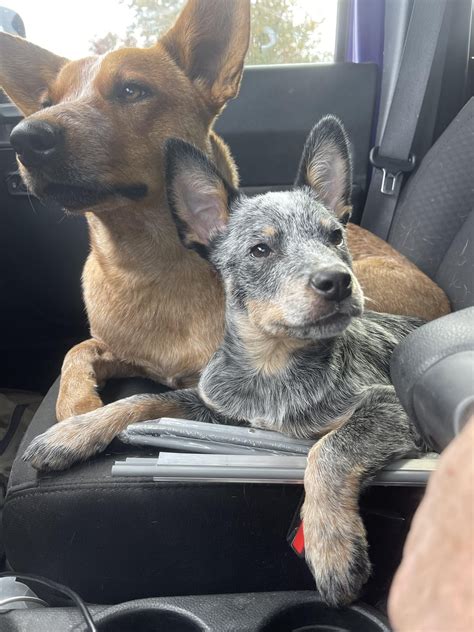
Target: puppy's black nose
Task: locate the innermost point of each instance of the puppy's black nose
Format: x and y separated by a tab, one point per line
35	142
333	285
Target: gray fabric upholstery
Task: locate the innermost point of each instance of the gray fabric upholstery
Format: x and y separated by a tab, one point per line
456	272
433	224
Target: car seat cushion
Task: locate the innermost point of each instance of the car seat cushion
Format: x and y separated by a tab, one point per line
114	539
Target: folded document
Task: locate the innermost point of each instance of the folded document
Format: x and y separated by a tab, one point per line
210	452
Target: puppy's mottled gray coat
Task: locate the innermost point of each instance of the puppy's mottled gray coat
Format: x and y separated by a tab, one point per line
299	354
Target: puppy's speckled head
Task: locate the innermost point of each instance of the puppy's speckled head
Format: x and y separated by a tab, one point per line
283	256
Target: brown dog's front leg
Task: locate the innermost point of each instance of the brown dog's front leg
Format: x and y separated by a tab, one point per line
339	466
85	367
398	288
78	438
390	282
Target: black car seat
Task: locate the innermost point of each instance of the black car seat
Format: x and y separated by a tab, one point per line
434	224
117	539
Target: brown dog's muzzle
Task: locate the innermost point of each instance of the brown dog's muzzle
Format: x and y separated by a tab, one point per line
37	143
63	166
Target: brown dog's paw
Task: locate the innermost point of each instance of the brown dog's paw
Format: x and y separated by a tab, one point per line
336	552
63	445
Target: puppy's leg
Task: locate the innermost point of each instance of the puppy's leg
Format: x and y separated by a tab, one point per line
85	367
78	438
339	466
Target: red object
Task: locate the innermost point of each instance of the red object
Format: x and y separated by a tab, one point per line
297	540
295	537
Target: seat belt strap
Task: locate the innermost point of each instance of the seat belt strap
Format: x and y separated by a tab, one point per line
392	159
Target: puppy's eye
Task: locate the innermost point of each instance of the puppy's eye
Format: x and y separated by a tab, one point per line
336	237
260	250
46	103
132	92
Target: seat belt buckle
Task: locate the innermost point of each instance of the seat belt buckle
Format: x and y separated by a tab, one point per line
392	169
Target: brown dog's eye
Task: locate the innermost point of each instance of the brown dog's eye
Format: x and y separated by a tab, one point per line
46	103
260	250
336	237
132	92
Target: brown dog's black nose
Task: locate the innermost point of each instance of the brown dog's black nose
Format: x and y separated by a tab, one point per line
35	142
333	285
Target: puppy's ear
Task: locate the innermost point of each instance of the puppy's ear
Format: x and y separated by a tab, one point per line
198	196
209	41
26	71
326	166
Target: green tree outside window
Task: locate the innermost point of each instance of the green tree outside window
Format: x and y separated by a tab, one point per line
282	33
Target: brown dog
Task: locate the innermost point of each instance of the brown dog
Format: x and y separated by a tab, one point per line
93	140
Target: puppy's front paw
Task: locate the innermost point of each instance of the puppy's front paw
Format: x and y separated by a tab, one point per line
64	444
336	552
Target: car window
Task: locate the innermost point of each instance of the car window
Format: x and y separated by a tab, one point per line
283	31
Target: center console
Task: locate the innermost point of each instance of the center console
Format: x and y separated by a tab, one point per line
251	612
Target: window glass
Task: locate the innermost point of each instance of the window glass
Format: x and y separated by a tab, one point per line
283	31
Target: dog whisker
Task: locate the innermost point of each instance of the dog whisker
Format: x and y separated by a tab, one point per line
28	193
371	300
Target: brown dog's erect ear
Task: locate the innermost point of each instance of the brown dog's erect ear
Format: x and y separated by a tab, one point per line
209	41
198	196
26	71
326	166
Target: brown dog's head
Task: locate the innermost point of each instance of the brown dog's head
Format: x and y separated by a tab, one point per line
95	129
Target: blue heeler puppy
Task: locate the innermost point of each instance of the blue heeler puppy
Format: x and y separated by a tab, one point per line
299	354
